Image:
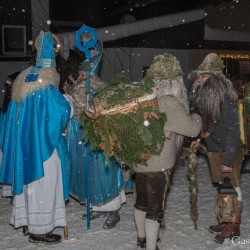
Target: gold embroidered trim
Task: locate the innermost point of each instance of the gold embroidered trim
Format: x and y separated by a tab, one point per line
21	88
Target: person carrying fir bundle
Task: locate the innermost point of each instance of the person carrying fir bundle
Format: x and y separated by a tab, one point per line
106	182
154	178
216	100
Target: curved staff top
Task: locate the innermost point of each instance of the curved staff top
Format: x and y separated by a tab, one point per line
88	42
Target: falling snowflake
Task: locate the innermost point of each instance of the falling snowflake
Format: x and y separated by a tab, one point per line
146	123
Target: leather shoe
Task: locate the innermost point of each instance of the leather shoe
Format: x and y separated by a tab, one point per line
48	238
141	242
112	219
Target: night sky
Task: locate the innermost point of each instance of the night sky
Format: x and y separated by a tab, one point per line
101	13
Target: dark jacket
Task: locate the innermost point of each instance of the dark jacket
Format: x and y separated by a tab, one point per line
225	135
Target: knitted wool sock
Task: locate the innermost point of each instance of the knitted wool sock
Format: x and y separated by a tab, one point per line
152	231
140	222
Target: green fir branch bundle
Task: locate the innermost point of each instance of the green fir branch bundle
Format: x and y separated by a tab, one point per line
122	91
124	135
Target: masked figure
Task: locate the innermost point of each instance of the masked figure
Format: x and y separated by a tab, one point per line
216	100
154	178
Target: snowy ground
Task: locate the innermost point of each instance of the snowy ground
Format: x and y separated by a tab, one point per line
178	234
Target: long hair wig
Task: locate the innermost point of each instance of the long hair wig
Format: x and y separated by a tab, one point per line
210	97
